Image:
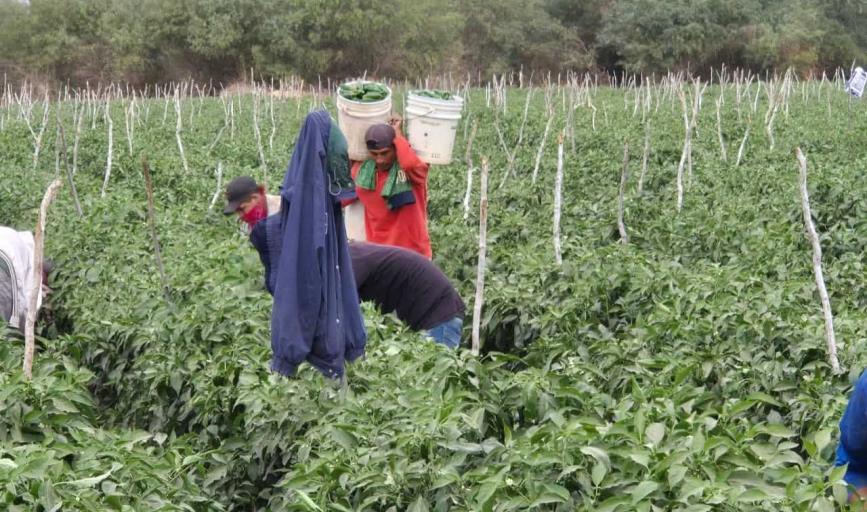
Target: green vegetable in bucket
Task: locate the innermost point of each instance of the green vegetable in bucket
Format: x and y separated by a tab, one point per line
364	92
436	94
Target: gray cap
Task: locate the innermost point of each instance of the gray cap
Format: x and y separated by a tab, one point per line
379	136
237	191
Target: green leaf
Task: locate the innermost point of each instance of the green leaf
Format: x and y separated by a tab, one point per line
87	482
753	494
598	473
642	490
419	505
654	433
307	501
599	454
778	430
675	475
343	438
822	439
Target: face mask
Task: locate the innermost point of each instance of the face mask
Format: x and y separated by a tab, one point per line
255	214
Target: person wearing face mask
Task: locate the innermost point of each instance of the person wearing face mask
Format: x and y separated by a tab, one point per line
392	185
248	199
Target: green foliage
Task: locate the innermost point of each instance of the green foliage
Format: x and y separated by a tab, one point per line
684	371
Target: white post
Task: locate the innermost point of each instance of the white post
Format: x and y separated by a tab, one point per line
483	246
178	131
558	200
36	284
817	263
110	148
469	159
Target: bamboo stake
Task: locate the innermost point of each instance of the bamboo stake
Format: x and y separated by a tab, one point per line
36	284
469	160
558	200
621	226
817	263
483	247
152	224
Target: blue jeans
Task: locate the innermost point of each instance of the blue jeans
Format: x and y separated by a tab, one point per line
448	333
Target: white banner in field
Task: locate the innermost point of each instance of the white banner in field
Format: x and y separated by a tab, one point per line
856	83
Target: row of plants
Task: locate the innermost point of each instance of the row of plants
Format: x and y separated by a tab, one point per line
684	371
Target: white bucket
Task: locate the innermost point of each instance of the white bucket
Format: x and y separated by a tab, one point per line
857	82
354	117
353	216
432	125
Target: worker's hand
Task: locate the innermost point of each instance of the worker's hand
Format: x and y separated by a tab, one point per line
396	122
46	291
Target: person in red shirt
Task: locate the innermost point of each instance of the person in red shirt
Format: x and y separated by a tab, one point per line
392	186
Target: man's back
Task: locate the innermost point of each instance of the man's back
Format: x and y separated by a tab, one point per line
16	272
405	282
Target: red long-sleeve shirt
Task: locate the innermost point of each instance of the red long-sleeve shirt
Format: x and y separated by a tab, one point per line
405	226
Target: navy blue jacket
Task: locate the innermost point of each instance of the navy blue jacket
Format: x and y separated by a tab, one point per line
852	449
316	315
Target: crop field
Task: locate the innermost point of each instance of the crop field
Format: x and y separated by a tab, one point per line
682	367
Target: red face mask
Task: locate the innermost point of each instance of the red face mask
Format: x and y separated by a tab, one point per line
255	214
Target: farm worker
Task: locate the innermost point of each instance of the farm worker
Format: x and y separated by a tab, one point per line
852	449
315	314
392	186
248	199
16	276
404	282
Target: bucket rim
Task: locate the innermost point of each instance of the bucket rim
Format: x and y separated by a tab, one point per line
456	100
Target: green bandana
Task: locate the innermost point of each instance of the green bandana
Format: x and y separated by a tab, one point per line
338	160
397	190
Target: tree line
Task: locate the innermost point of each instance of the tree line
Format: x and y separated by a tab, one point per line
154	41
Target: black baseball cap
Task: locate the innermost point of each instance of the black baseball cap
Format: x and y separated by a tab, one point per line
238	190
379	136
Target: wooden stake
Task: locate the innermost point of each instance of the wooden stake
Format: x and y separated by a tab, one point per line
483	247
817	263
621	226
722	144
152	223
645	156
63	155
36	284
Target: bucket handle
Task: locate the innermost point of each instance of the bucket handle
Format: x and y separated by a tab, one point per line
430	111
345	110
